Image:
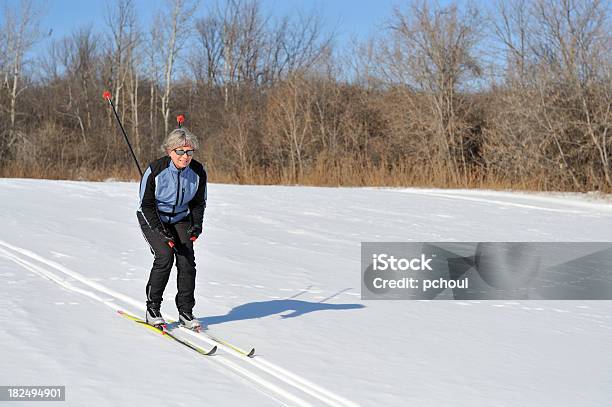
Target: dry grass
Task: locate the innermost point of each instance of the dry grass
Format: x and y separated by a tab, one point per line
344	173
348	174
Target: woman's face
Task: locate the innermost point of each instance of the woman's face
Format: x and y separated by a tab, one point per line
181	160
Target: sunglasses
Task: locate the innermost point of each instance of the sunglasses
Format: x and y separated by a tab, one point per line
183	152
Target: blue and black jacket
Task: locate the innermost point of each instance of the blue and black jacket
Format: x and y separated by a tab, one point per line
169	195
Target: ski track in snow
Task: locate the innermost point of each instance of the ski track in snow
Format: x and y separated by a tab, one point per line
498	202
279	393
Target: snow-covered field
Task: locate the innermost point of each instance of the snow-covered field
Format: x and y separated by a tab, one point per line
278	269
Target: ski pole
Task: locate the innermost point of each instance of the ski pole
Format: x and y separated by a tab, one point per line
107	95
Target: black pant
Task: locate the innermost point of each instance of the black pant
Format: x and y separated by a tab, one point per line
162	264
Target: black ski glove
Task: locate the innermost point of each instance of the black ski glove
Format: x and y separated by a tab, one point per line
165	236
194	232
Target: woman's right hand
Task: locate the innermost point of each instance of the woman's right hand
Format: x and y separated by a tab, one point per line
165	236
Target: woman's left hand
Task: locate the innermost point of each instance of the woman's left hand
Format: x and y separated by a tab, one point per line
194	232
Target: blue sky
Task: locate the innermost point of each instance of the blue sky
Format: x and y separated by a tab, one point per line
347	18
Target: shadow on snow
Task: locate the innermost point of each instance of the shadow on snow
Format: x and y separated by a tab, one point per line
263	309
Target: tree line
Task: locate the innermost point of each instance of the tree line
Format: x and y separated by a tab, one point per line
515	96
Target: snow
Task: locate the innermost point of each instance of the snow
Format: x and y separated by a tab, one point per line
278	269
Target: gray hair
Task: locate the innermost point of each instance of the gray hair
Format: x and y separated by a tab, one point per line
179	138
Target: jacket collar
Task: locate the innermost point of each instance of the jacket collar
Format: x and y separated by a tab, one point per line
173	168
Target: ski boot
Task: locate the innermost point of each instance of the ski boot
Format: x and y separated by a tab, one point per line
187	320
155	318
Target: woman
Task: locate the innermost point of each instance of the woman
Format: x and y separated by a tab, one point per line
172	203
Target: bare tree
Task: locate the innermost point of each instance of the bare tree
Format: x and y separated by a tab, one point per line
20	32
434	52
238	43
79	59
124	40
239	138
511	28
290	123
295	46
230	41
168	38
573	46
152	70
121	22
205	61
559	51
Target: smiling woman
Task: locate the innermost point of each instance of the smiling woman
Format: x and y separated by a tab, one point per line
171	213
